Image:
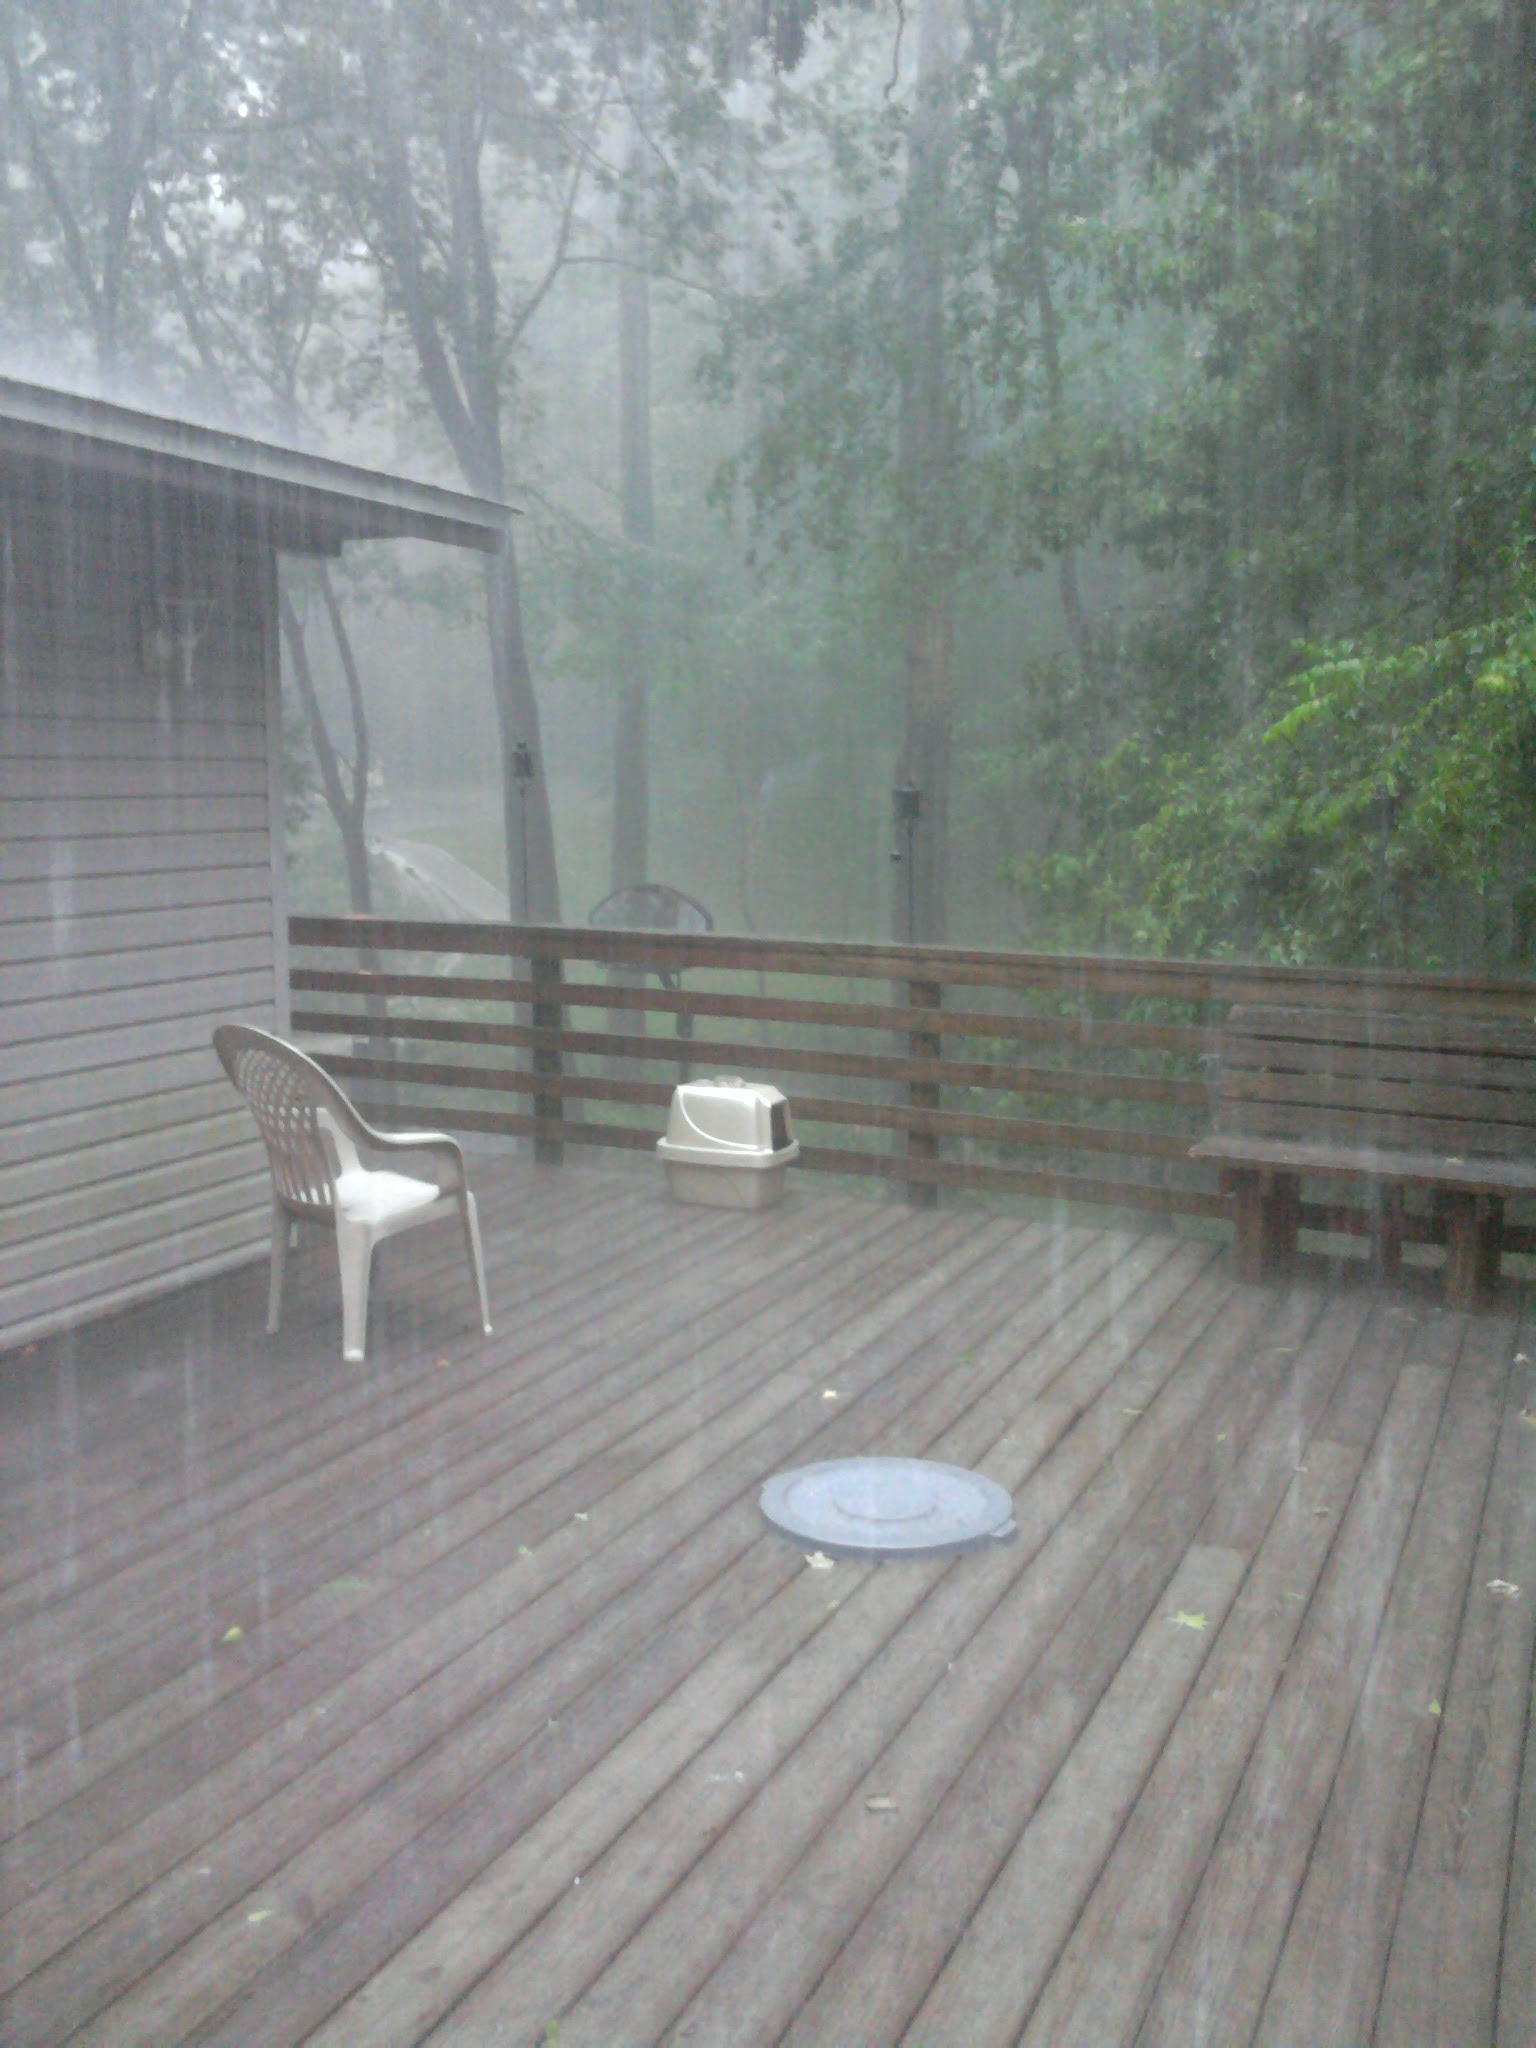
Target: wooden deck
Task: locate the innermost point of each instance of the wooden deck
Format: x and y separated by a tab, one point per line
463	1696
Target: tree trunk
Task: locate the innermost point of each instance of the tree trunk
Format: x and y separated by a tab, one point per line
922	901
629	861
926	461
348	807
454	325
535	887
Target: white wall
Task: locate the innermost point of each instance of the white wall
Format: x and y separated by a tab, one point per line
138	879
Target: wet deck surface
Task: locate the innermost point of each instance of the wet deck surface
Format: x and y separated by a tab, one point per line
464	1693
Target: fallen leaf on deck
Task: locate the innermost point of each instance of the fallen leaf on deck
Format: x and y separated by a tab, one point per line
1133	1411
1434	1708
255	1919
232	1635
523	1550
1506	1587
829	1393
580	1516
880	1802
1195	1621
1528	1417
818	1562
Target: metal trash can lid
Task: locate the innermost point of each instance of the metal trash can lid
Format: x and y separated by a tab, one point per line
888	1508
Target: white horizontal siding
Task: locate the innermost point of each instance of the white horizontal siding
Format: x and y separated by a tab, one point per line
177	779
47	991
114	738
139	805
90	1222
157	852
156	1017
68	903
137	912
83	1146
123	1101
175	1257
83	933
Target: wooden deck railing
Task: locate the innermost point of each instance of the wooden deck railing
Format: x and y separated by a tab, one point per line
1082	1079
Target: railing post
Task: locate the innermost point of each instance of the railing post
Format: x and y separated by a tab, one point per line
548	1060
923	1045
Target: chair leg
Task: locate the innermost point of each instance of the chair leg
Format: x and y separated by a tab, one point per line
280	1228
354	1255
470	1218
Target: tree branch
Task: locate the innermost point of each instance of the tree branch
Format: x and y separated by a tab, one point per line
556	262
74	241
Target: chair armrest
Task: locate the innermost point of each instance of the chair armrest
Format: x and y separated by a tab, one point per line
448	1152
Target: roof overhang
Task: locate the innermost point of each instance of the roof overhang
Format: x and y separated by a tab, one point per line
305	504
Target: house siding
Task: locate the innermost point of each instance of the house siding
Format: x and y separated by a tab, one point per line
139	890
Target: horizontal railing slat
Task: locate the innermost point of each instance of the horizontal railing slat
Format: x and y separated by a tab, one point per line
1202	981
1133	1036
789	1059
930	1059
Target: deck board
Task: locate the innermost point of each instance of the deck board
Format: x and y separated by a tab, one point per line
464	1692
1327	1981
1442	1975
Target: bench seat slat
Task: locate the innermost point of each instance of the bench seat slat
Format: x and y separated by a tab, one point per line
1420	1169
1351	1129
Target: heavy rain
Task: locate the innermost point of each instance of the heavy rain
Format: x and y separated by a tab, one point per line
848	689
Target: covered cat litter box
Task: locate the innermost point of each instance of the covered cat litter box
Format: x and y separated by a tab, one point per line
728	1143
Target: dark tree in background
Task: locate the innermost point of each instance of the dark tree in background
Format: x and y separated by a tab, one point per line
1115	417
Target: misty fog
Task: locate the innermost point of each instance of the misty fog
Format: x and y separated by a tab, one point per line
1113	421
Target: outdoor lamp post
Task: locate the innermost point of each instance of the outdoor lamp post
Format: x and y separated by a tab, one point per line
522	774
907	800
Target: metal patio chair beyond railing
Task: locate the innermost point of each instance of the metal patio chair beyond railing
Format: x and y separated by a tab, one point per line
317	1145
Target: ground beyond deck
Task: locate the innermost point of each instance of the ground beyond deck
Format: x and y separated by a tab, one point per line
463	1696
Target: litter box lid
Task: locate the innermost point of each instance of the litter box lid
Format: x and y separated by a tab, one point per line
888	1507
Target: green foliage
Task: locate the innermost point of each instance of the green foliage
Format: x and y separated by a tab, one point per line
1111	352
1380	806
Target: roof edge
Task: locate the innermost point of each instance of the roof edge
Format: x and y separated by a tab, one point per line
355	503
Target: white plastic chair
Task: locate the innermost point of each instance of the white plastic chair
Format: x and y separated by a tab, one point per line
316	1144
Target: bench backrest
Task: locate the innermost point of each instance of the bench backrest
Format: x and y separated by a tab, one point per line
1460	1086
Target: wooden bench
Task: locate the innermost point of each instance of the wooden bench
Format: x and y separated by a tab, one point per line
1398	1102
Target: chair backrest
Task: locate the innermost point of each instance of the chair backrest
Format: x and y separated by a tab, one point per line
287	1093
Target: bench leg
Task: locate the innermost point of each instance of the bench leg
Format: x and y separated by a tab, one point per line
1387	1231
1266	1209
1474	1239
